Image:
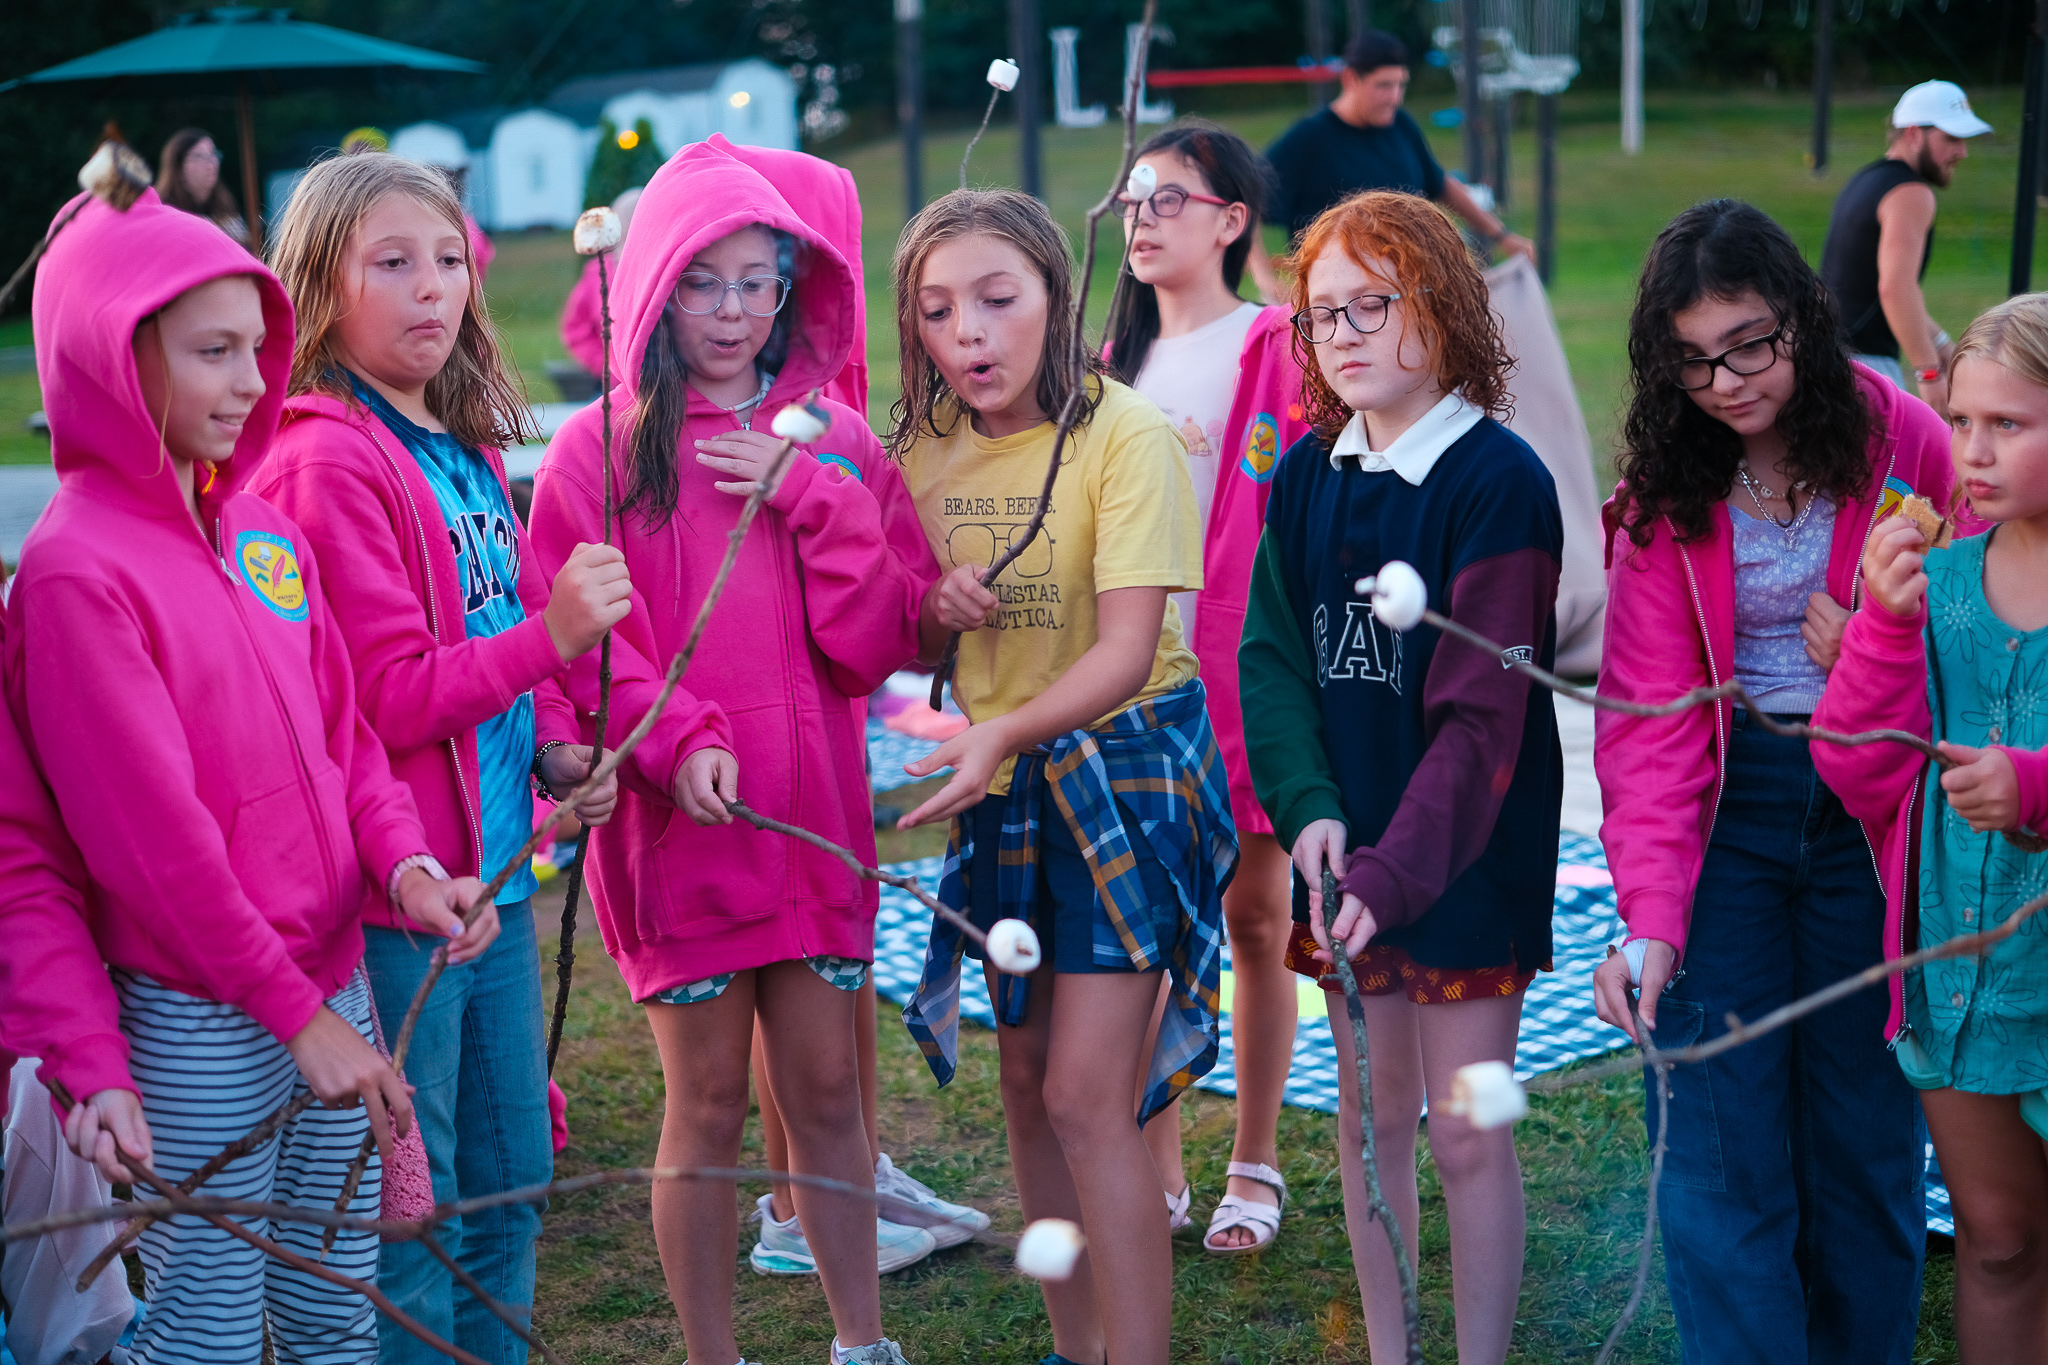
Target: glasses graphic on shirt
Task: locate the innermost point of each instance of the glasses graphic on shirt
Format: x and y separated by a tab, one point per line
762	296
1367	314
1166	203
982	542
1750	357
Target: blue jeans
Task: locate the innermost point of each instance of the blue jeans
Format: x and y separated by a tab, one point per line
1794	1227
479	1061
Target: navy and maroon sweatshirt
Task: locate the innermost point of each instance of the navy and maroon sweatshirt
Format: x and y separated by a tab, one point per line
1442	762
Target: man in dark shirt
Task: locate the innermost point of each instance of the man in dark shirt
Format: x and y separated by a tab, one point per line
1882	232
1365	140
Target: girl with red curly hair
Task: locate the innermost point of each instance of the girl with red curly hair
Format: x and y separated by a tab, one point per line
1425	776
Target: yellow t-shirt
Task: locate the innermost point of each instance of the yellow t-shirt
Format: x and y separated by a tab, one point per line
1123	515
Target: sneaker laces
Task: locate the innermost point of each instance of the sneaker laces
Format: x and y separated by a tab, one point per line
893	1179
883	1352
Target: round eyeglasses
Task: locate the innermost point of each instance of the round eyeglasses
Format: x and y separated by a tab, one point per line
1367	314
1751	357
762	296
1166	203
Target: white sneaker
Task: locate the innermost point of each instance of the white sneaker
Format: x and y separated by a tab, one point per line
960	1222
883	1352
782	1249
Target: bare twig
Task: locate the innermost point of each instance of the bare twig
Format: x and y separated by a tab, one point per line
1662	1070
504	1313
21	272
1078	359
986	115
1375	1194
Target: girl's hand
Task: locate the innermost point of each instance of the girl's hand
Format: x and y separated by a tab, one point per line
592	594
1825	620
1322	842
437	906
960	603
745	455
563	768
107	1117
1611	986
974	755
707	780
1892	566
340	1068
1982	788
1354	928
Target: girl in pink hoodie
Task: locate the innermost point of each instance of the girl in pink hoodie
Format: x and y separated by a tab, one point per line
1758	459
1952	644
186	692
388	458
728	305
1224	373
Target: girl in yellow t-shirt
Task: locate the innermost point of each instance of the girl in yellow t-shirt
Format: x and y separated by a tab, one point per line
1106	822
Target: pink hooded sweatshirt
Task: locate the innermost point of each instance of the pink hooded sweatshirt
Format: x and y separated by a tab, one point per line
583	320
821	607
1265	419
1671	628
192	708
422	682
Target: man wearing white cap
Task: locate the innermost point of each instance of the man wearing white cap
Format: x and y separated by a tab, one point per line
1882	233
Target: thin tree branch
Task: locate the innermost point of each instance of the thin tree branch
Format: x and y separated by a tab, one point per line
1662	1069
972	142
503	1312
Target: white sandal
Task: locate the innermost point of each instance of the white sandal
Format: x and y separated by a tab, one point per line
1177	1208
1233	1212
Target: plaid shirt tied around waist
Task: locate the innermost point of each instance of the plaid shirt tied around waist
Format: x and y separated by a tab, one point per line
1158	761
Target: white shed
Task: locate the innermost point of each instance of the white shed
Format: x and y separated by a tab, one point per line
432	144
532	172
750	101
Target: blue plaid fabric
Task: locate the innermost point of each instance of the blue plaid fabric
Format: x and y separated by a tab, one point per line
1157	759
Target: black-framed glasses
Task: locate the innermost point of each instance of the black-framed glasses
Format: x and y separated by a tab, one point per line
762	296
1166	203
1750	357
1367	314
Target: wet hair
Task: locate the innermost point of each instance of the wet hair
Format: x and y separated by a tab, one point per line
1027	225
477	395
661	410
1371	50
170	179
1676	461
1446	298
1230	170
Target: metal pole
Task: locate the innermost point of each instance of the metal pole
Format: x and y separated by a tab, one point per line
1631	76
1503	130
1546	186
1317	14
1027	42
1823	79
1468	90
1357	19
910	101
2026	199
252	198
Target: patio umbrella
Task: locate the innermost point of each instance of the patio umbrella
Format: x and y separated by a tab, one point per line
197	53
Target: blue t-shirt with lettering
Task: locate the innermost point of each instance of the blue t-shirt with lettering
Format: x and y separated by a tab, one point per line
485	533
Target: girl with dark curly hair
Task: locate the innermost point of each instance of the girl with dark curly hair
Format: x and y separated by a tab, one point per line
1426	777
1757	460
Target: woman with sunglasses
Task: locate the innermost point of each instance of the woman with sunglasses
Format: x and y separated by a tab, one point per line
1756	460
1223	372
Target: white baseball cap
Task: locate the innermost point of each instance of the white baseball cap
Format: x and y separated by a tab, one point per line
1938	104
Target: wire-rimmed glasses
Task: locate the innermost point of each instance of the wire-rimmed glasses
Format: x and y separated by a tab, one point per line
762	296
1367	314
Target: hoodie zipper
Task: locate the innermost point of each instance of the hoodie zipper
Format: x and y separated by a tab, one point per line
419	526
1855	598
1699	611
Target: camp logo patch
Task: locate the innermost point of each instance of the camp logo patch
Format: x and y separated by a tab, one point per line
1261	449
1896	491
843	465
272	572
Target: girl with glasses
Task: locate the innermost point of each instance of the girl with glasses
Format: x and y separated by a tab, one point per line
1222	371
1757	460
1423	775
728	305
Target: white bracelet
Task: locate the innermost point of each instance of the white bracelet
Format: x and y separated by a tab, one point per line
426	862
1633	951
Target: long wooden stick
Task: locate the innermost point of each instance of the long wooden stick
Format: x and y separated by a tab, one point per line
1648	1247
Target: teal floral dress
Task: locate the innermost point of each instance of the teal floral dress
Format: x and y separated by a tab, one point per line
1979	1023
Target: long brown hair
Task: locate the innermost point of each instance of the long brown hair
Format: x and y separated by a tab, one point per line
1025	224
477	396
1438	280
170	179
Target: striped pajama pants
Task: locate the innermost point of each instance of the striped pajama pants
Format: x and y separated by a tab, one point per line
208	1073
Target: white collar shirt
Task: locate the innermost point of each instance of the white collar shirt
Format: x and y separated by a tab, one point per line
1415	451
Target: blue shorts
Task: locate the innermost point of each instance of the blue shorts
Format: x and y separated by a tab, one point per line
1069	915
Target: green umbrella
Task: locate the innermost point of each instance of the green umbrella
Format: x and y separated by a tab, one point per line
197	50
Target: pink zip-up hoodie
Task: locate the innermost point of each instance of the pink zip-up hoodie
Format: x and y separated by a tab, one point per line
424	684
821	607
1671	628
192	708
1265	419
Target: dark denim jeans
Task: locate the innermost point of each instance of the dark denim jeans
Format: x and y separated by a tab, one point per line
1792	1202
479	1061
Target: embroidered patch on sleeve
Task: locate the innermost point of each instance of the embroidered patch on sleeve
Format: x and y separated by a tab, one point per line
1260	448
271	570
843	465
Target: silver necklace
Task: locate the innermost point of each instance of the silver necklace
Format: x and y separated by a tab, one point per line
1758	493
